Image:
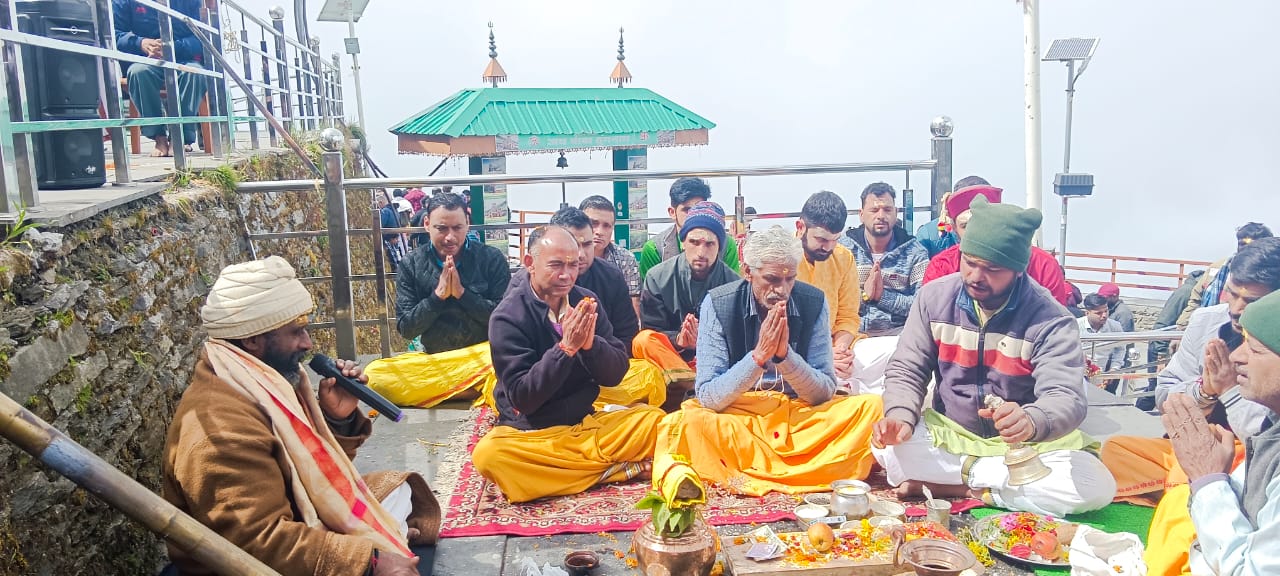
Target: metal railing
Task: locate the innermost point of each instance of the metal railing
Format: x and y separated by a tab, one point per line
338	233
306	91
1133	379
1107	268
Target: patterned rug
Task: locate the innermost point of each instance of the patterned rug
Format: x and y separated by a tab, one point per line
478	508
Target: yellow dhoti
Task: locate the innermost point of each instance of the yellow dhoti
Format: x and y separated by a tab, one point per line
768	442
656	347
1143	468
643	384
1171	535
605	447
423	380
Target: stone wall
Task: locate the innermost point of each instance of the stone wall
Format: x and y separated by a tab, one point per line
99	331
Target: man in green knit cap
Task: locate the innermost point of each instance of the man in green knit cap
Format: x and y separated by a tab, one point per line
990	331
1236	515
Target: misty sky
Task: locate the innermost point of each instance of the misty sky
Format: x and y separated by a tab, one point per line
1167	117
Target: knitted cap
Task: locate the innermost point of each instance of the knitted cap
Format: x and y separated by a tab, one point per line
1261	321
1000	233
960	200
1108	290
254	298
707	215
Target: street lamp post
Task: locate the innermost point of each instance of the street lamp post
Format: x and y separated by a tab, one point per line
349	11
1068	185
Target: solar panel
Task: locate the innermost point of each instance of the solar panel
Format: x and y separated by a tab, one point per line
336	10
1071	49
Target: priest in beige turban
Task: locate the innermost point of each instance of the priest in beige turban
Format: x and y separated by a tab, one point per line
262	459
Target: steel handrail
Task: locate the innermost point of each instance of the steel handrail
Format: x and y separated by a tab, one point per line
175	14
65	46
552	178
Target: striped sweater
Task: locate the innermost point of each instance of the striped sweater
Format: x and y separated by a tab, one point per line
1028	353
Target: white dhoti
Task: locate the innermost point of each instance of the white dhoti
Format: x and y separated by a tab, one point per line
1078	481
870	358
400	504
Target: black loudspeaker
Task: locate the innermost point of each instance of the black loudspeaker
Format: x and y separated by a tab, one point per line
69	159
63	86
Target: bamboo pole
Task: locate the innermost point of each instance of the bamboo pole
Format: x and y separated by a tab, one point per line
92	473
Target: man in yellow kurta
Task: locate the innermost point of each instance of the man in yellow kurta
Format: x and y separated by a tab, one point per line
764	418
553	351
445	292
859	361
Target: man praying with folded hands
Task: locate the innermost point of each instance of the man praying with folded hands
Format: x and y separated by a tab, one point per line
553	349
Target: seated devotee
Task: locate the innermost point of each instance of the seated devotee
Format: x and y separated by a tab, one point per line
685	194
1104	356
645	381
257	456
891	263
936	235
828	266
553	351
597	275
1208	290
1145	468
1042	267
1236	516
673	293
445	292
764	418
990	330
600	210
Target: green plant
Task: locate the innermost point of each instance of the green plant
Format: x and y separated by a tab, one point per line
181	179
225	178
140	356
668	522
18	228
83	397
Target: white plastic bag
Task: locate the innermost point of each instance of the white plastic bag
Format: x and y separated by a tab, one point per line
1098	553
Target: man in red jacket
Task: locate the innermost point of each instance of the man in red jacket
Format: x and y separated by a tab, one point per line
1043	267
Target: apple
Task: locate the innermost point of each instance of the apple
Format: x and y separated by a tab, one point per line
821	536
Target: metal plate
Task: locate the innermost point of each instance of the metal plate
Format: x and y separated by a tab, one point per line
1070	49
337	10
986	528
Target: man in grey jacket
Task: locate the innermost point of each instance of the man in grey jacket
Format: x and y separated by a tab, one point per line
990	331
1200	369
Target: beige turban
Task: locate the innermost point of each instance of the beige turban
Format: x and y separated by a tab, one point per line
253	298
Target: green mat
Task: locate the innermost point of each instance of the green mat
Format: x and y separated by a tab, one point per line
1113	518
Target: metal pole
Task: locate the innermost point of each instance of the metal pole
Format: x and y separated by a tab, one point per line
355	73
282	69
940	175
66	457
339	249
19	152
337	88
107	39
302	109
1066	162
1031	77
266	96
248	75
380	271
177	140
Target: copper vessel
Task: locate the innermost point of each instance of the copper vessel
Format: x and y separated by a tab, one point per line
934	557
692	554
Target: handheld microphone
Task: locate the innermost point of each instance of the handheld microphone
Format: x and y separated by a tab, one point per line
325	367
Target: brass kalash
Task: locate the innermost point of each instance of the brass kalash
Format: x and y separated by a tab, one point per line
1023	461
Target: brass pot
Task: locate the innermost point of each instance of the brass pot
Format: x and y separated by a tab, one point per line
693	554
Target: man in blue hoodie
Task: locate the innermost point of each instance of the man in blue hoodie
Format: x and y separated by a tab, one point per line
137	29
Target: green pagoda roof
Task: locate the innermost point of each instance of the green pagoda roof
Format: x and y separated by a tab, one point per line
539	119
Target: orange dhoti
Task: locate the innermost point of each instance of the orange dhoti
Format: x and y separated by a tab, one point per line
1143	468
656	347
768	442
559	460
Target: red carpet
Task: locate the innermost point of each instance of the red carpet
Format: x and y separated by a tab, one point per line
478	508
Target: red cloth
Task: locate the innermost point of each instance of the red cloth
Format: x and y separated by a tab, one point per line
1043	268
960	200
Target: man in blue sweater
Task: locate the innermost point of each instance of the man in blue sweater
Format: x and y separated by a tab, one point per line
137	29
